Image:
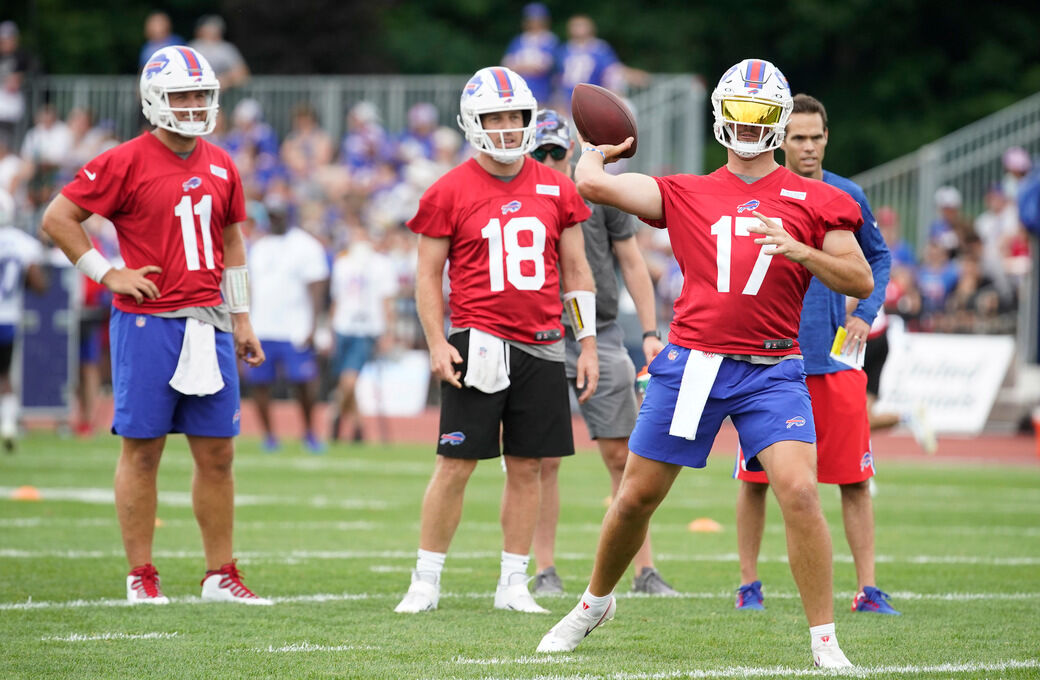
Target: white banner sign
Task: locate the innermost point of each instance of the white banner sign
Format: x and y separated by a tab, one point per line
956	377
395	386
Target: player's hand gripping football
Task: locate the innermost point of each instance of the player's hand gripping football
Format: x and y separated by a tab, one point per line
133	282
443	359
782	243
611	152
247	346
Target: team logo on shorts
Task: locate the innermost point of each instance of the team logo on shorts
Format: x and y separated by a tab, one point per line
140	321
797	421
749	206
673	354
511	207
237	417
453	438
867	461
193	183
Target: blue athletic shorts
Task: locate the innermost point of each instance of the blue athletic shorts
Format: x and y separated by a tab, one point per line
767	404
145	350
353	352
295	365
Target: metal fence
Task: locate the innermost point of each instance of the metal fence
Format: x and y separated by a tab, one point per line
670	111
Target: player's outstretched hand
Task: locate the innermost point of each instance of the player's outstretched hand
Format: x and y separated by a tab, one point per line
247	346
588	371
133	282
443	359
782	242
611	152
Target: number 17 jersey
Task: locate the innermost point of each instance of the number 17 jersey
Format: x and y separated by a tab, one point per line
168	211
504	246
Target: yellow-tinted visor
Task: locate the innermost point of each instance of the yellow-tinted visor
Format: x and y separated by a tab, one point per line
751	113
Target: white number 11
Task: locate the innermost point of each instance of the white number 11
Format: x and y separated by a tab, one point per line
203	209
724	230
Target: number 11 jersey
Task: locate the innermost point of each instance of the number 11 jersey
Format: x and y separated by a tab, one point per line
168	211
504	246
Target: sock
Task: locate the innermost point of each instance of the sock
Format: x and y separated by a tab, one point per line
8	414
594	604
822	634
513	564
429	566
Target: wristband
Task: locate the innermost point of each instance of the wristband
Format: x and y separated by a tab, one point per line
93	264
652	334
235	287
581	308
592	148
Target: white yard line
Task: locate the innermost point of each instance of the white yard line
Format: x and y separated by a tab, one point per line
105	496
92	637
297	647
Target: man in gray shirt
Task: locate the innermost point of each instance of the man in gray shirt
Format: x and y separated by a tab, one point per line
610	413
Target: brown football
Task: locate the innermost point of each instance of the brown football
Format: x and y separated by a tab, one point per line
602	117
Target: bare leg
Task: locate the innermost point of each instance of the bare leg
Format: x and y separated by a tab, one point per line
791	467
348	410
89	386
136	496
262	399
751	523
520	503
305	397
615	453
442	503
548	515
213	496
880	421
644	485
857	510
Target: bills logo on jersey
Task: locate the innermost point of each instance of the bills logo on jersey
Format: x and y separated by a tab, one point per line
193	183
673	354
511	207
797	421
453	438
867	461
156	66
749	206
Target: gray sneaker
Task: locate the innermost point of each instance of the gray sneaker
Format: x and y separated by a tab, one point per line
650	582
546	582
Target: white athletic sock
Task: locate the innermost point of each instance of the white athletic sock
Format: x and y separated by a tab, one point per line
8	415
429	565
594	604
822	634
514	568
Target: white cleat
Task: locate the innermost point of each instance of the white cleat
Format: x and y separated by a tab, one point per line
422	596
225	585
575	627
829	655
517	598
142	586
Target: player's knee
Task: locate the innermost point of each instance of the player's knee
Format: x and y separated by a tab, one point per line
798	498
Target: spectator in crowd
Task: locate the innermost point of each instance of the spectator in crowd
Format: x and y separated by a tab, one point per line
417	141
364	284
447	146
508	396
1017	164
998	229
16	65
973	306
14	173
222	55
950	230
19	267
532	54
936	277
288	273
174	340
365	145
891	229
584	58
45	147
86	142
158	33
307	148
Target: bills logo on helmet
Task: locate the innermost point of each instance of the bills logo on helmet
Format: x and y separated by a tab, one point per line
156	65
453	438
797	421
749	206
473	85
867	461
193	183
511	207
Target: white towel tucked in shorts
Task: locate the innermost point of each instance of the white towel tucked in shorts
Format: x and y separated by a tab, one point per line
198	371
487	364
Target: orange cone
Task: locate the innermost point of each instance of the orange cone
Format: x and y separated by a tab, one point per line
705	525
26	493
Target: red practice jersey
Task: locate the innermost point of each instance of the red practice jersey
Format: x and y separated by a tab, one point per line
504	245
734	297
169	212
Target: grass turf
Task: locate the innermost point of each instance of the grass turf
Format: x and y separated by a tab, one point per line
332	538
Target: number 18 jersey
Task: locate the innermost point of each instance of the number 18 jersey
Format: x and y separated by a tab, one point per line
168	211
504	245
735	296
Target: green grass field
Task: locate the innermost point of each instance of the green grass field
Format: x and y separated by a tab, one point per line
332	540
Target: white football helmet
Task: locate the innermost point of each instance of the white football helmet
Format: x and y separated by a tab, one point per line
752	94
493	89
179	69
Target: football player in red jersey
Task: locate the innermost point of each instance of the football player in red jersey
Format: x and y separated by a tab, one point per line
747	238
176	202
503	222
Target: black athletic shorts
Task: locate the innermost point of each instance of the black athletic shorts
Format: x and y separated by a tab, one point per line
874	361
533	414
6	352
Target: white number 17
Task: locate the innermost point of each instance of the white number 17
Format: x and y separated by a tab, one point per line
723	231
